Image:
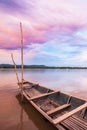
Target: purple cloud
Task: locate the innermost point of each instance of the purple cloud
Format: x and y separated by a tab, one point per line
10	5
42	21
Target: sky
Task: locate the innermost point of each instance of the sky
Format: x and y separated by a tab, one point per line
54	32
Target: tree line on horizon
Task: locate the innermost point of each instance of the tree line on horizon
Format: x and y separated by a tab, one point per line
39	67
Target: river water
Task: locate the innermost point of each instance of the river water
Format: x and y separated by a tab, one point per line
17	116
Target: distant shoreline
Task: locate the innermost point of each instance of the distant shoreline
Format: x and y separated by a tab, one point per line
9	66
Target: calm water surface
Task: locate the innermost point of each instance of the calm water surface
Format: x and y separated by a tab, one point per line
17	116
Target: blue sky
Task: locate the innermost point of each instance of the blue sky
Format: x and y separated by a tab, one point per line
54	31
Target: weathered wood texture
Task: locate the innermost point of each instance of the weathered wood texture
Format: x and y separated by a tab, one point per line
58	109
43	95
32	92
65	116
74	123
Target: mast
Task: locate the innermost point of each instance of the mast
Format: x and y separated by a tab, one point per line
22	64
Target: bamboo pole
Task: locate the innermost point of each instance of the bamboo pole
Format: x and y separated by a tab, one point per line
22	78
15	68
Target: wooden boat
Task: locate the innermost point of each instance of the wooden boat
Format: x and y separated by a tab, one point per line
63	111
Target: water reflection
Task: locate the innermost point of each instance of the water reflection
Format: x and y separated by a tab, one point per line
17	116
69	81
20	126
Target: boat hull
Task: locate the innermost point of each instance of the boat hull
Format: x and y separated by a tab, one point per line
60	109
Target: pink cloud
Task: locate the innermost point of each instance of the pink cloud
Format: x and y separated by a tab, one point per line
41	19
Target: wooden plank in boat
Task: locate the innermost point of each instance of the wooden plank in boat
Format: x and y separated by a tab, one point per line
74	123
58	109
70	125
32	92
43	95
38	108
65	116
81	121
